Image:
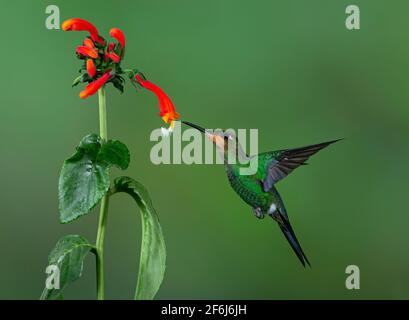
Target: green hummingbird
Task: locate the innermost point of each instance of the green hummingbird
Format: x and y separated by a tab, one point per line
258	190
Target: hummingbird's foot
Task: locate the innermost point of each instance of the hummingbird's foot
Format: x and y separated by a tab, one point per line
258	213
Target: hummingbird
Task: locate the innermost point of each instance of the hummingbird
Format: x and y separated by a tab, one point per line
258	190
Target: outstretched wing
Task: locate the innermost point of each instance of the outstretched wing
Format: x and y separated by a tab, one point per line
279	164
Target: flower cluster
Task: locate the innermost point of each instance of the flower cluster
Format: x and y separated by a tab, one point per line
102	65
101	59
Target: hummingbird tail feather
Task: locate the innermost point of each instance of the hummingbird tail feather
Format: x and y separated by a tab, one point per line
288	232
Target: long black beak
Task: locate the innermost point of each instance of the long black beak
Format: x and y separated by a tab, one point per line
194	126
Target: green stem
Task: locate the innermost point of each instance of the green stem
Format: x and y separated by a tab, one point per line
102	114
103	211
103	214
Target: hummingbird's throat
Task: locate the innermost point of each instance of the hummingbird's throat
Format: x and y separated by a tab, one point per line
217	140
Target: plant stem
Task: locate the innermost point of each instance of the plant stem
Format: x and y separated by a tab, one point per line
102	114
103	211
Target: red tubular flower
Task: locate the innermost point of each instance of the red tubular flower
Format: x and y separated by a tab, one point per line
110	54
114	57
111	46
89	43
76	24
87	52
167	109
119	36
94	86
91	68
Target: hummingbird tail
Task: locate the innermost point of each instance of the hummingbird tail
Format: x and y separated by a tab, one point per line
288	232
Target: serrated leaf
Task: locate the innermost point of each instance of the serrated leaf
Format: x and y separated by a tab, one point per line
152	262
68	257
115	153
83	181
84	177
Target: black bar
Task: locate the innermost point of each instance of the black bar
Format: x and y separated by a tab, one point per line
207	309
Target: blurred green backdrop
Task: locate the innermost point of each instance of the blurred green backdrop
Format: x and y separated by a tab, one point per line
290	69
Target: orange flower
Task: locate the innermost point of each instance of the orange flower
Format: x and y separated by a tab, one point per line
114	57
94	86
89	43
87	52
110	54
91	68
76	24
119	36
167	109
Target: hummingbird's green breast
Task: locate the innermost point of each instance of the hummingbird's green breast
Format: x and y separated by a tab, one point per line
249	188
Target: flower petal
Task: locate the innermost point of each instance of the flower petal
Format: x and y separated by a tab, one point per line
89	43
94	86
91	68
77	24
111	46
119	36
167	109
114	57
87	52
165	132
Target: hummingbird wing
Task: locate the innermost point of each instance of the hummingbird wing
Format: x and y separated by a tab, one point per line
278	164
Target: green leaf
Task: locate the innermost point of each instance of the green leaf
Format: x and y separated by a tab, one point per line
84	177
77	80
68	256
119	86
131	75
115	153
83	181
153	251
118	83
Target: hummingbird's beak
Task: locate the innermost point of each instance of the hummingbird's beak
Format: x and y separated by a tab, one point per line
194	126
217	139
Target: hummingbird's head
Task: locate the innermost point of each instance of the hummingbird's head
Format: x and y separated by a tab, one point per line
225	140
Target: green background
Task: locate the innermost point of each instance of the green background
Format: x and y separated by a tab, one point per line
290	69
